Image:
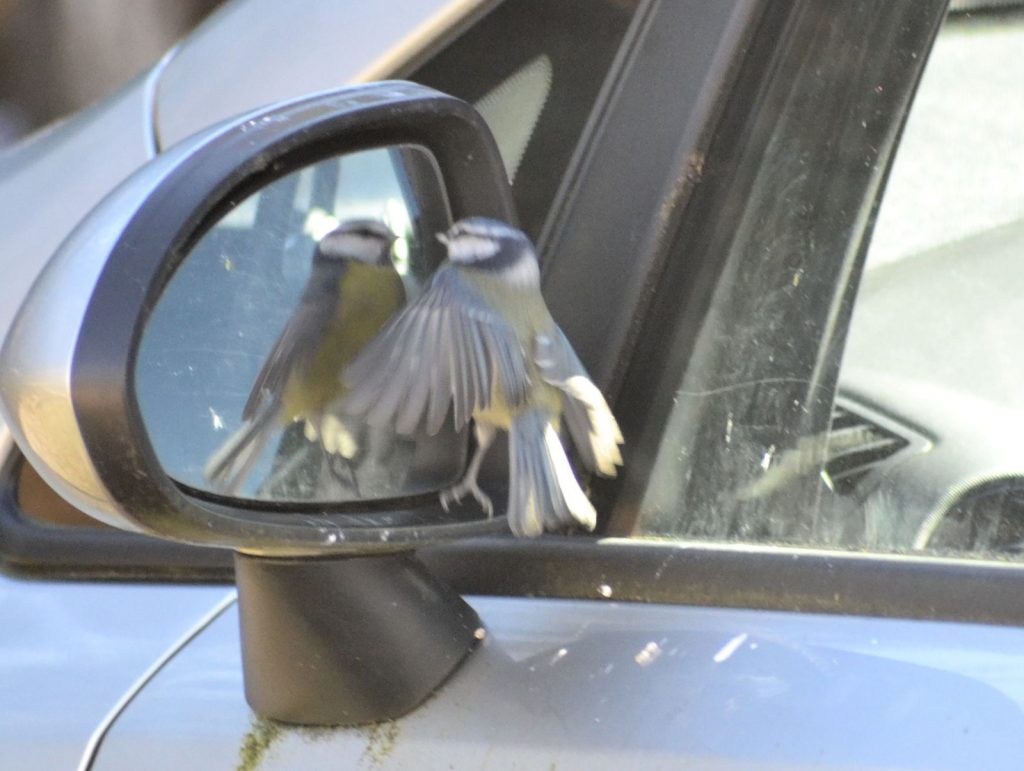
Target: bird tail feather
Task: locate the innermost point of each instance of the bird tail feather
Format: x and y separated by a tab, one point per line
228	467
543	491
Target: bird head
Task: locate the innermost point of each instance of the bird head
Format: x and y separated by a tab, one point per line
489	244
368	241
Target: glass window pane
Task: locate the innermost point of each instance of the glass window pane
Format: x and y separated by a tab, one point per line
936	337
891	416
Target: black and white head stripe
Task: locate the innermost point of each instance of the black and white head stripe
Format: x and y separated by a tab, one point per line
363	240
476	239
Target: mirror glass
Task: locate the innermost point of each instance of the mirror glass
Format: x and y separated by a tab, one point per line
239	371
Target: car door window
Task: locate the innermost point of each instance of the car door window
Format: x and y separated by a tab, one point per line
935	338
528	70
916	446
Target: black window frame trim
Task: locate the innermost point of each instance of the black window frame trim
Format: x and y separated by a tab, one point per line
30	549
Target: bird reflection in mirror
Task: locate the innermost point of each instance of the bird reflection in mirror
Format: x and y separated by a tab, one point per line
352	290
481	342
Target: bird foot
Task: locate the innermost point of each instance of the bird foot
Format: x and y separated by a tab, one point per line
344	471
458	492
334	435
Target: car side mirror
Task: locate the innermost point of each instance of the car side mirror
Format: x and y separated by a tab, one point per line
138	354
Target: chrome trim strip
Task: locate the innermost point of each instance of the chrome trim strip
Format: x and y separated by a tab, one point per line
151	97
92	747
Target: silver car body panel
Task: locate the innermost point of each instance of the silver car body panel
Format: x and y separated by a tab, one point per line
606	685
70	651
219	73
53	179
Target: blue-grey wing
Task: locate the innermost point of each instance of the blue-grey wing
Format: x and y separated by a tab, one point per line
591	424
448	347
297	342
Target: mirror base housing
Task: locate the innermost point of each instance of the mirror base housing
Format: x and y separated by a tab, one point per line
347	641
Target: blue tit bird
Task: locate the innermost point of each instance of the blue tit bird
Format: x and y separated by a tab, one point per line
481	341
352	290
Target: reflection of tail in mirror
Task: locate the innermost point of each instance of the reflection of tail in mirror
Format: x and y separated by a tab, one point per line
353	289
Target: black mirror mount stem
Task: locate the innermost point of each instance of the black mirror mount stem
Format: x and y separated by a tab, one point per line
347	640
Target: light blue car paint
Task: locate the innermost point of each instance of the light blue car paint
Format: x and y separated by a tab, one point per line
605	685
70	651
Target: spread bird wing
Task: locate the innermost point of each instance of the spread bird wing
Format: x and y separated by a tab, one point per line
448	347
296	344
591	424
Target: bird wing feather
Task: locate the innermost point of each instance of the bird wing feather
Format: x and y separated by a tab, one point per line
591	424
449	347
295	346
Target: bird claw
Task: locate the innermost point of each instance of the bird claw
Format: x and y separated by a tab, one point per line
457	492
485	503
447	496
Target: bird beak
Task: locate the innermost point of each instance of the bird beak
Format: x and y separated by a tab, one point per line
443	238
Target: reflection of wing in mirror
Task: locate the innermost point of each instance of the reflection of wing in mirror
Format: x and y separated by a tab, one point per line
239	371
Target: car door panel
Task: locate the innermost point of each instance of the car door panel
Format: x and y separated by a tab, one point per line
70	651
609	685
